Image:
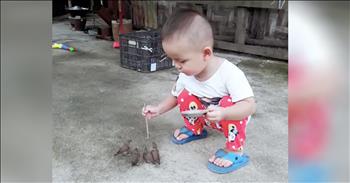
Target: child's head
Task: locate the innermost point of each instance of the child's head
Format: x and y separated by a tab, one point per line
187	38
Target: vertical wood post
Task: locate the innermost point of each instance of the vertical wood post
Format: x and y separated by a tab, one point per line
241	20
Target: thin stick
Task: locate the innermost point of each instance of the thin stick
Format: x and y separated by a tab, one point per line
147	137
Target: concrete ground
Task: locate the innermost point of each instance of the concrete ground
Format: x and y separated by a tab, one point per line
97	106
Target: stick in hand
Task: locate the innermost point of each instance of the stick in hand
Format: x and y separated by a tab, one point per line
147	137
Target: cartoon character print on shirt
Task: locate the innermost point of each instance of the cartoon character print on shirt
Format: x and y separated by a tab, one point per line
192	106
232	132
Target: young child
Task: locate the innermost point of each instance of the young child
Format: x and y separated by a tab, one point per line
205	82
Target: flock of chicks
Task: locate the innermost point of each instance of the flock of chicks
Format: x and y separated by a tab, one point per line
136	156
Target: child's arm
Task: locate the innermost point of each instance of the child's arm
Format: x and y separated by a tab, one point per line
238	111
167	104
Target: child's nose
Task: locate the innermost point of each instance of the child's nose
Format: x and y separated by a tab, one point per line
178	66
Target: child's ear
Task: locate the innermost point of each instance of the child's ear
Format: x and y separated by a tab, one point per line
207	53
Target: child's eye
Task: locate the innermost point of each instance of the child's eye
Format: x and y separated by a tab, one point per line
183	61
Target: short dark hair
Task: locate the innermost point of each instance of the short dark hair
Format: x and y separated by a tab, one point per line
181	21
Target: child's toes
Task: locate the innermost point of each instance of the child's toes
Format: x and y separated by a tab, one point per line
222	163
212	158
218	161
181	136
176	133
227	163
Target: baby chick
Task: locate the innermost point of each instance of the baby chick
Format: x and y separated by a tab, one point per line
124	149
147	156
135	157
155	154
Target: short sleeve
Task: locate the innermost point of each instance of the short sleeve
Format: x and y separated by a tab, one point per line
237	85
178	86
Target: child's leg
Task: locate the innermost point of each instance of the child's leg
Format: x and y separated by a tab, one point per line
234	130
188	101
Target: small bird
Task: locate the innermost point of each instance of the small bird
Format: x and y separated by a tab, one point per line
155	154
135	157
124	149
147	156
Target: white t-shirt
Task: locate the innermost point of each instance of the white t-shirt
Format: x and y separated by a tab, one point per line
228	80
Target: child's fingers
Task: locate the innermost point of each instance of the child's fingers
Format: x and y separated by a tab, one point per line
212	108
145	110
211	115
149	111
150	115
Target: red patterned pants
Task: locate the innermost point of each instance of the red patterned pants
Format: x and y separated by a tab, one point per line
234	130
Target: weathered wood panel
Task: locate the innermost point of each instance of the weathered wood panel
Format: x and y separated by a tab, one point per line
138	14
261	24
268	42
222	20
271	4
272	22
164	10
250	26
281	32
241	20
279	53
254	22
282	18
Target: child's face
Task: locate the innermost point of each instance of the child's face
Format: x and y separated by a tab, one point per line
187	59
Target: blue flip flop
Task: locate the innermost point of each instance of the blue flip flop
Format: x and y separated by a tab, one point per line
220	153
238	162
190	134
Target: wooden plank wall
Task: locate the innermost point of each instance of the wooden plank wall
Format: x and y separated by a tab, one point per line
144	14
258	31
255	28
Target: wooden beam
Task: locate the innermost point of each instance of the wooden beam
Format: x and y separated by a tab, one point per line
281	32
153	5
147	13
241	33
279	53
262	24
272	4
268	42
283	18
224	38
254	23
271	25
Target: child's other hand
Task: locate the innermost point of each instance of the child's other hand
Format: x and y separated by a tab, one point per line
150	111
215	113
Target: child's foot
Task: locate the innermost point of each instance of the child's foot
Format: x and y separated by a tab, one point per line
178	135
220	161
184	135
225	161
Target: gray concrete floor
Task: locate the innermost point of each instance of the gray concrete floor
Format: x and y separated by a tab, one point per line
97	105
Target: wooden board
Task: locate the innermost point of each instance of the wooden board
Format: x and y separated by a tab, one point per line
272	22
164	10
222	19
279	53
138	14
268	42
254	23
271	4
282	18
281	32
241	20
261	24
253	26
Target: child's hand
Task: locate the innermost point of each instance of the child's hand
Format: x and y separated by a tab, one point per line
215	113
150	111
